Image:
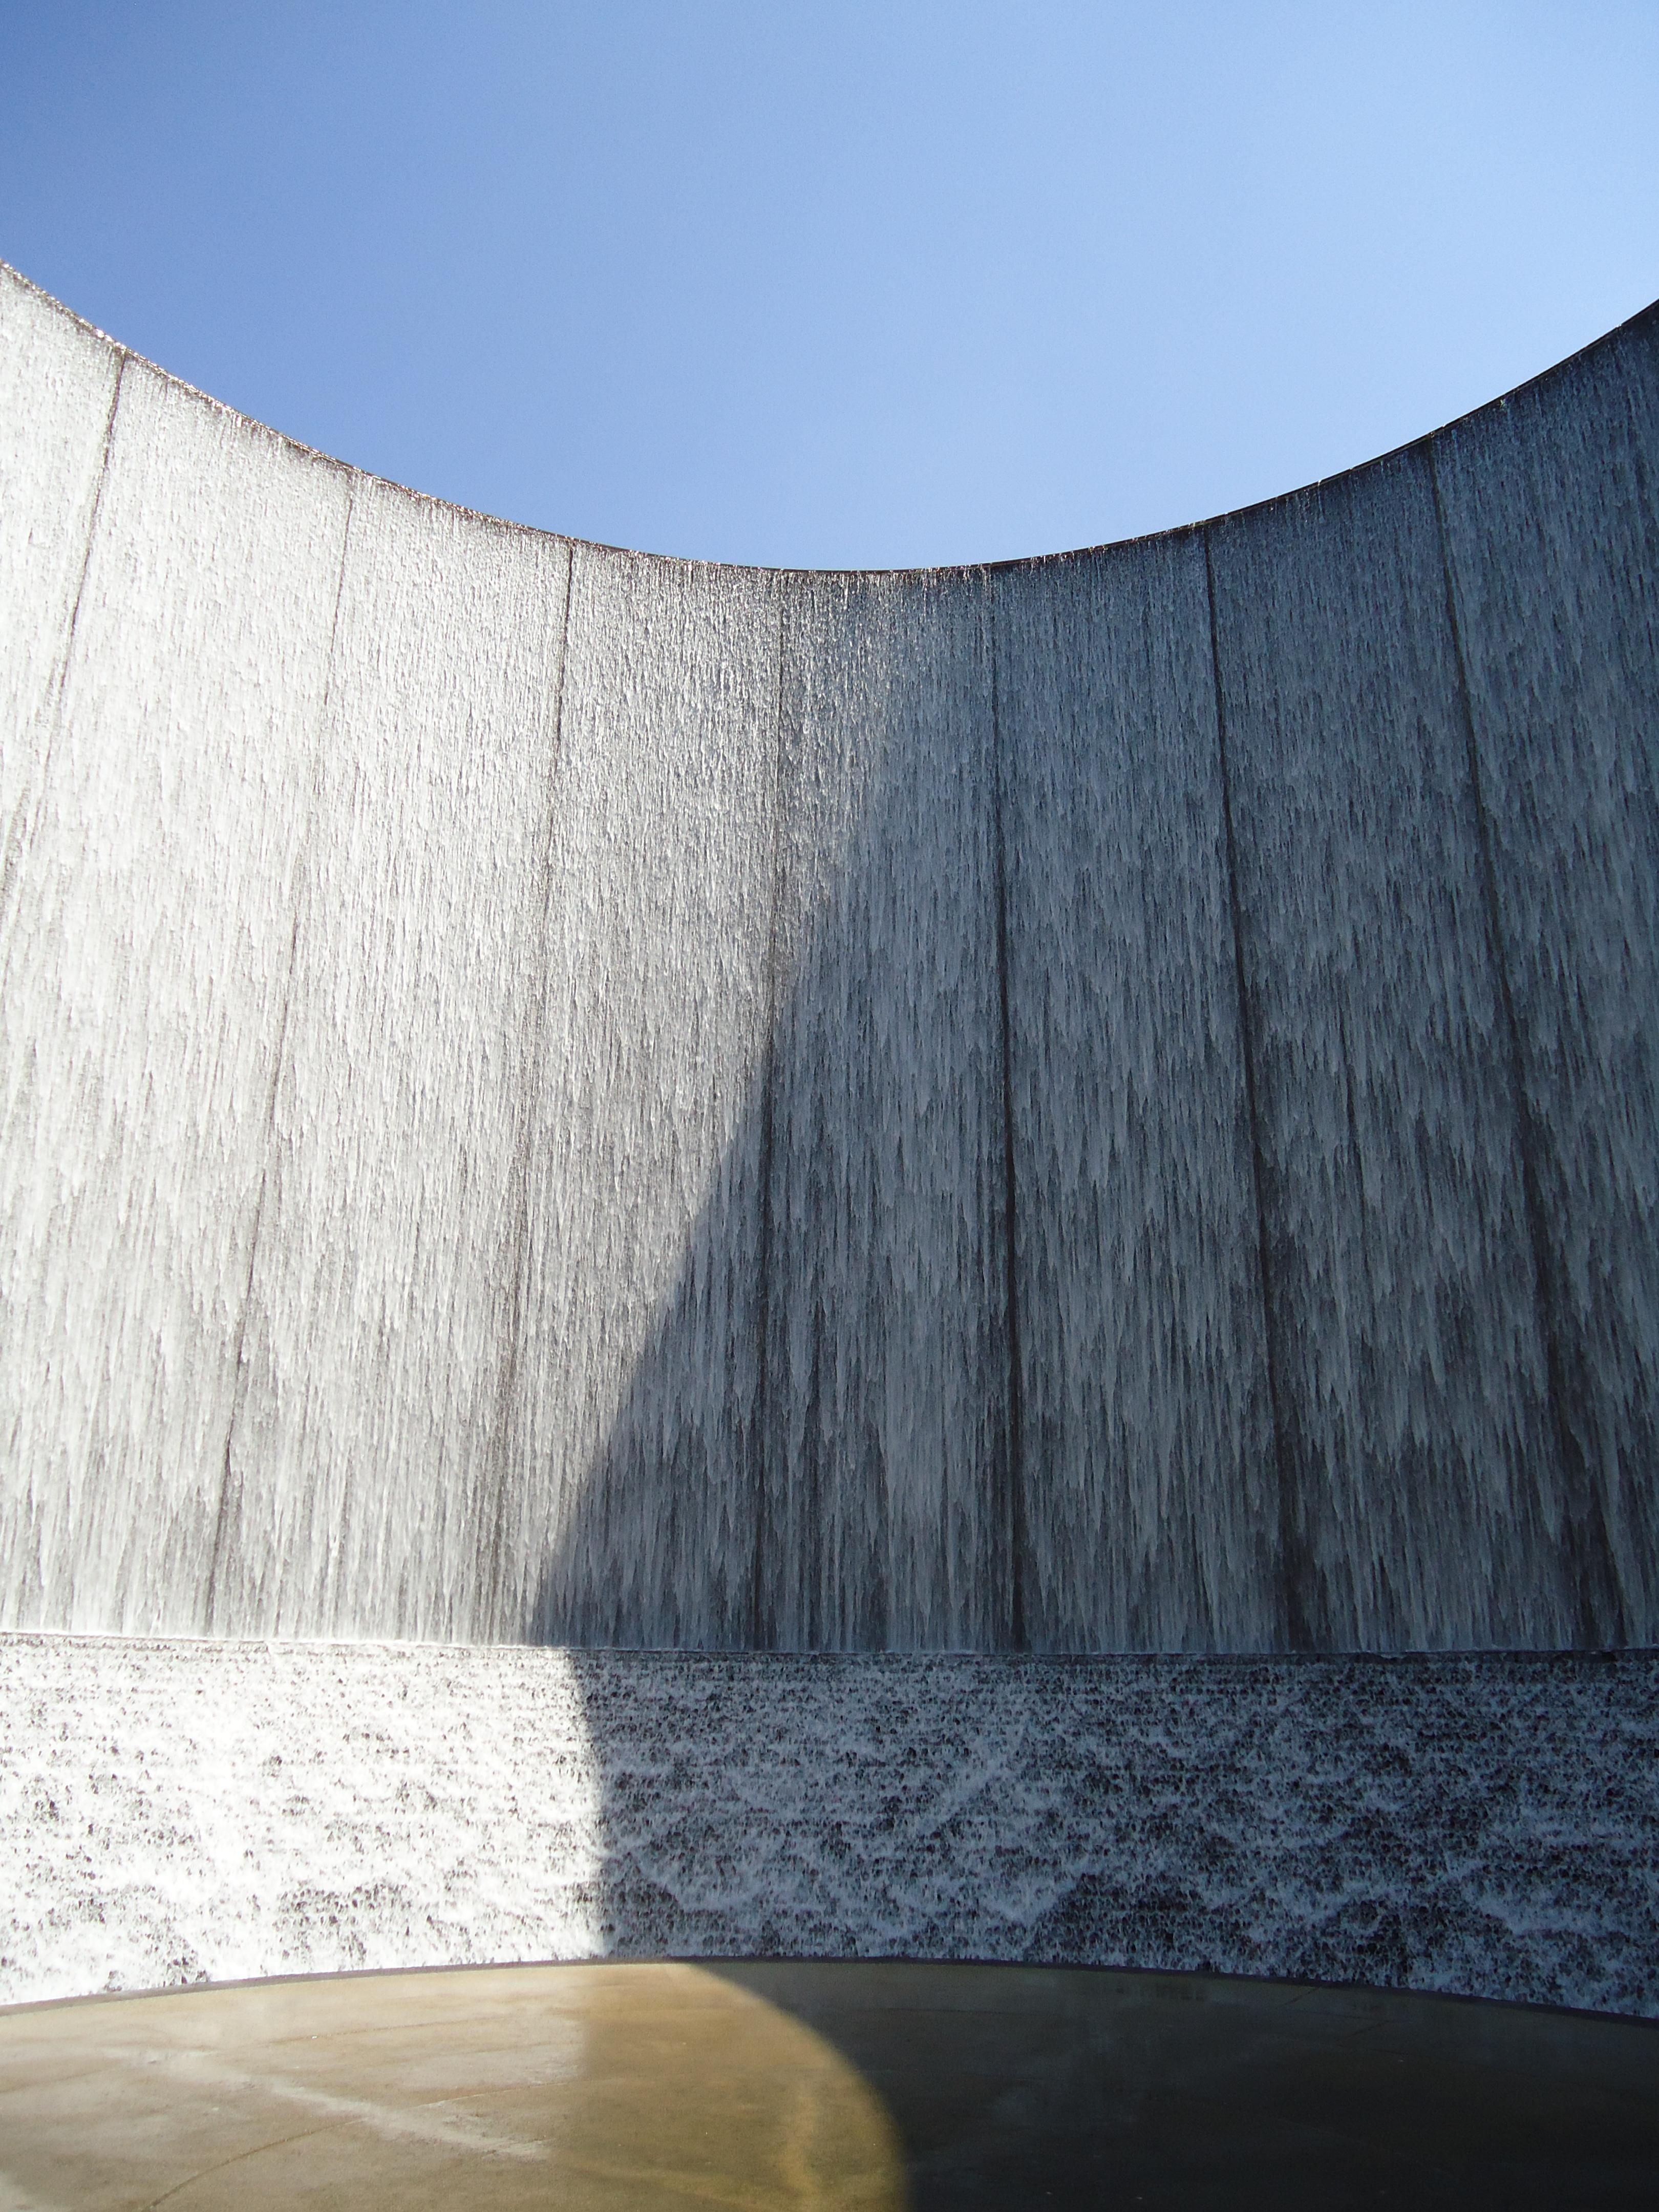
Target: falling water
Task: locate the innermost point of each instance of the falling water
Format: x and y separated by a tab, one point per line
1101	1104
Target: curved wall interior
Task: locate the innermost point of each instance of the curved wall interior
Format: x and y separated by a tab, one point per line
1099	1105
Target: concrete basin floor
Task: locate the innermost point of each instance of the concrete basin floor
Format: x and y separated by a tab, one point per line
792	2084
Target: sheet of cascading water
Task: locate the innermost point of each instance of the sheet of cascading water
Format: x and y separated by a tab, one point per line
1551	512
1147	1475
627	1508
361	1475
60	379
887	1505
1412	1381
149	924
519	1066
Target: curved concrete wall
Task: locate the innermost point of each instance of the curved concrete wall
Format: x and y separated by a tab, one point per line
1102	1104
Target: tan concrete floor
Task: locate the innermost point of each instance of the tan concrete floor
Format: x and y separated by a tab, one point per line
795	2085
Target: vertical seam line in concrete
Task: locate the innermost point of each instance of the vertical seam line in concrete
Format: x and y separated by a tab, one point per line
22	836
221	1518
1596	1593
1646	583
1293	1565
513	1364
1361	1208
762	1635
1012	1516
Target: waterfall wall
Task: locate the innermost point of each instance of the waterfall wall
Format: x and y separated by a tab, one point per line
1098	1104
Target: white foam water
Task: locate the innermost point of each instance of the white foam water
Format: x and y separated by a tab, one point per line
179	1811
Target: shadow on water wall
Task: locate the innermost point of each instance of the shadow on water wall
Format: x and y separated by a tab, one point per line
1197	1189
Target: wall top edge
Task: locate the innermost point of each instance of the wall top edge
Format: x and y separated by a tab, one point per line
1643	323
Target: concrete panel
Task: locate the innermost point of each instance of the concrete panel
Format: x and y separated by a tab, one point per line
1412	1380
144	1006
627	1510
887	1514
1551	504
1147	1474
363	1468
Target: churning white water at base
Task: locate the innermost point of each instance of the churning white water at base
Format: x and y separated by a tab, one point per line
190	1811
175	1811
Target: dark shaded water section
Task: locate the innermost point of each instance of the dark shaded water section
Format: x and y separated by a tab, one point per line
1197	1189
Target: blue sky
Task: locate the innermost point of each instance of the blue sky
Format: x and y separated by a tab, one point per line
840	285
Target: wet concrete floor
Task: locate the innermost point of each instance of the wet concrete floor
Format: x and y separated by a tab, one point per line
797	2085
